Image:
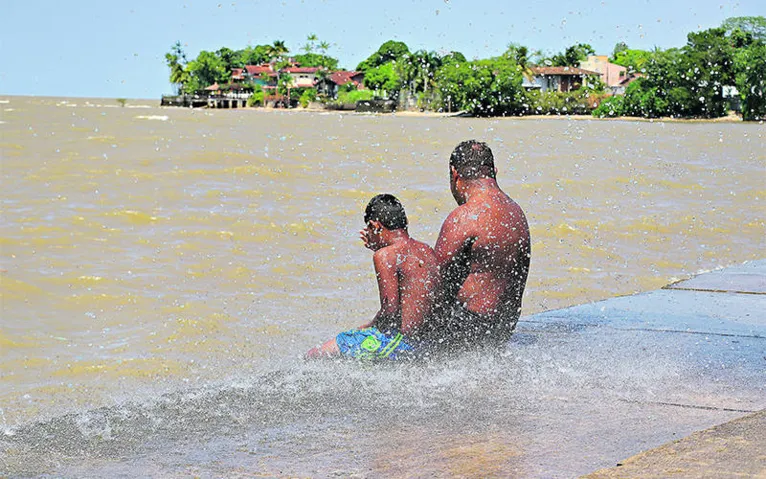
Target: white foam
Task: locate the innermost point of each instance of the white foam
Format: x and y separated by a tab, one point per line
152	117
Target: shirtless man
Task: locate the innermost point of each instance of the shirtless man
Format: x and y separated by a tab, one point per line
407	275
484	253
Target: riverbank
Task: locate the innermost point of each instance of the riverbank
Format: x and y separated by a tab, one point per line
732	117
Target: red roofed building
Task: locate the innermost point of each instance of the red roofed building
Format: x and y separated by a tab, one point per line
266	75
329	85
303	77
561	79
257	70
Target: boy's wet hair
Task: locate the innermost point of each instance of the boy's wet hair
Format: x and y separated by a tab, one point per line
473	159
388	210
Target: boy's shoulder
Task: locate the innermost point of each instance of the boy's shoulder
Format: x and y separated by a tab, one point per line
387	253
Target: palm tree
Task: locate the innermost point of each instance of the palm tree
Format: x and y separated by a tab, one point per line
280	47
323	46
176	61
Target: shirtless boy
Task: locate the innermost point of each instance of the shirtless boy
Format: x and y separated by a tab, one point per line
407	275
484	253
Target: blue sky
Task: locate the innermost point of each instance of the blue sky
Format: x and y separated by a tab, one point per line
116	49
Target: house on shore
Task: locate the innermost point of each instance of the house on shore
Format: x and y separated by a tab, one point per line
267	75
558	79
330	84
611	74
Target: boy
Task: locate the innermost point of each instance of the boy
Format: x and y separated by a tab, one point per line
407	275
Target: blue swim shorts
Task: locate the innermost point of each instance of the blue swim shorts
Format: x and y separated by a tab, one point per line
371	343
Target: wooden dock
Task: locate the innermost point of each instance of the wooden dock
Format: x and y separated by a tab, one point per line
203	101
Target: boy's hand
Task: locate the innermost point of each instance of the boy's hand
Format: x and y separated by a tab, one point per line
364	235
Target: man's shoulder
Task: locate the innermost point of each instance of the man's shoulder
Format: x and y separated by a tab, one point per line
460	213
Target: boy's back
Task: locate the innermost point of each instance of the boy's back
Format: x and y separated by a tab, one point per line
415	266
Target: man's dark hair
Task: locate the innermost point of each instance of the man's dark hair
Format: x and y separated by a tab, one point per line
388	210
473	159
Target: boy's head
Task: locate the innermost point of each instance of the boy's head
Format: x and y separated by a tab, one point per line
387	210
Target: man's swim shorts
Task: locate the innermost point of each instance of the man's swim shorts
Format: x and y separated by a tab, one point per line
371	343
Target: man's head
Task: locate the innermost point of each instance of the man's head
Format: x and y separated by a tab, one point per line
470	160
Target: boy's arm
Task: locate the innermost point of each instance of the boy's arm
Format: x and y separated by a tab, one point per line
384	261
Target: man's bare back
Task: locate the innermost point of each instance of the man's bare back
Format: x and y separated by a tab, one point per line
491	238
483	248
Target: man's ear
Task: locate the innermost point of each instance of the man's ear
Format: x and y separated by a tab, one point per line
376	225
453	173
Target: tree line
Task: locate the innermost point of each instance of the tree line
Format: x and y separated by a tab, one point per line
683	82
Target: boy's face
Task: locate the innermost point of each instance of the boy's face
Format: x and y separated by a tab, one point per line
372	235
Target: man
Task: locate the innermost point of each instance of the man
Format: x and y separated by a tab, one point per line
407	275
484	253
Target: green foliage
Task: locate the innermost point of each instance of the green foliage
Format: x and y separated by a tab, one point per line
229	58
383	77
573	55
750	68
709	61
316	60
284	83
453	57
518	54
350	97
619	47
257	98
348	87
558	103
307	96
610	107
755	26
253	55
313	59
276	50
684	82
482	87
417	70
206	69
679	82
122	101
633	60
388	52
176	61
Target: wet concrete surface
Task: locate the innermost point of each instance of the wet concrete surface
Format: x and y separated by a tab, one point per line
725	311
734	449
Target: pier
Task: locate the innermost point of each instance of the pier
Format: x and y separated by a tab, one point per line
205	101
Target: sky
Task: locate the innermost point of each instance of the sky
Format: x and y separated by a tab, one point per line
116	49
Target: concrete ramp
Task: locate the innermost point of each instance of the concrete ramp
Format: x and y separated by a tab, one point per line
711	331
748	278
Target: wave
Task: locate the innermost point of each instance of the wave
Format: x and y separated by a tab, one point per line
374	400
152	117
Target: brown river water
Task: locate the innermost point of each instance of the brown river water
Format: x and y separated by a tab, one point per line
150	251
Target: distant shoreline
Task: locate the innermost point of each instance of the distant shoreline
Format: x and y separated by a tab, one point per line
152	103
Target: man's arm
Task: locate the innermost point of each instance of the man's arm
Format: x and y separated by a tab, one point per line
384	261
451	251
